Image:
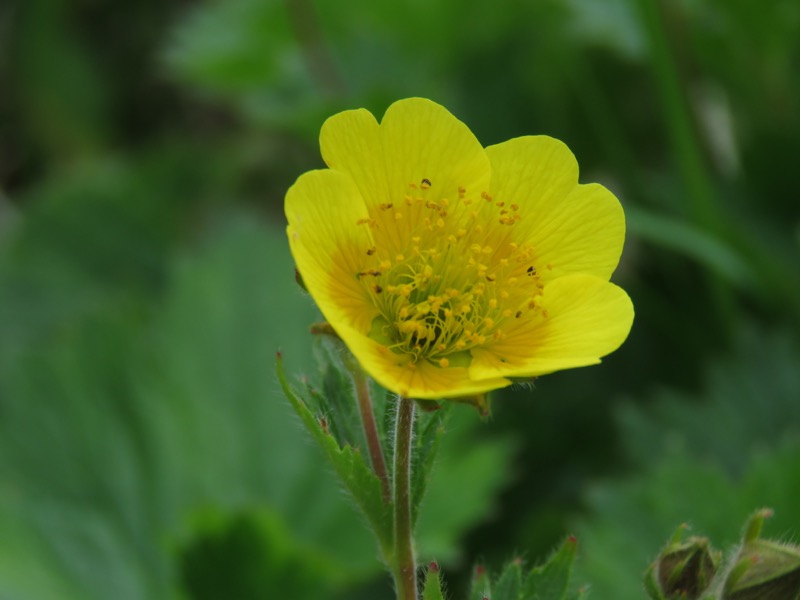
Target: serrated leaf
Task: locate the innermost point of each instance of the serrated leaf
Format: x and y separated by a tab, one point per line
509	583
351	467
336	399
433	584
550	581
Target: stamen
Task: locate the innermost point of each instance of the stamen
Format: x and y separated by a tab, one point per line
453	279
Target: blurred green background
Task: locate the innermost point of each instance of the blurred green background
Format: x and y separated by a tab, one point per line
145	285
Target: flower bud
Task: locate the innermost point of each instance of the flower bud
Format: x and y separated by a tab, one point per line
683	570
764	570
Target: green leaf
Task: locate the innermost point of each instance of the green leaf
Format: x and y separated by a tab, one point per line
509	583
333	396
351	467
550	581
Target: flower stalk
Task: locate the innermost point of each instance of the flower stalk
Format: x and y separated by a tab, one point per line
371	430
405	569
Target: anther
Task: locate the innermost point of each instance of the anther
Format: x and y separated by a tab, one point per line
371	251
386	205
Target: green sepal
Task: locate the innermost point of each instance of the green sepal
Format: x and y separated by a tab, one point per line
550	581
351	467
481	402
433	583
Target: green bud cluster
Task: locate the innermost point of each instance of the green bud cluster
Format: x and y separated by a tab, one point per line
684	570
758	569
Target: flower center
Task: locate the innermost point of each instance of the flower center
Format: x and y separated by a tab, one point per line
447	275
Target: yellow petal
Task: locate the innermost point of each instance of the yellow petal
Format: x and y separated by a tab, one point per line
573	228
417	140
323	208
424	380
587	318
422	140
350	142
585	236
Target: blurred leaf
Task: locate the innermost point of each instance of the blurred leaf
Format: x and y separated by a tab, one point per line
251	556
748	400
246	51
682	237
97	234
123	423
630	519
62	97
613	23
237	45
430	430
480	588
114	433
463	486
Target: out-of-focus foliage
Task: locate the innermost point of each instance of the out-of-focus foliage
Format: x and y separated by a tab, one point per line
124	423
145	286
706	461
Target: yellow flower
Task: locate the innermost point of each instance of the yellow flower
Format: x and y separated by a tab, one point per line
448	268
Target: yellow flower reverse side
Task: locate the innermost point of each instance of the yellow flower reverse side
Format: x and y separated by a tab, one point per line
448	268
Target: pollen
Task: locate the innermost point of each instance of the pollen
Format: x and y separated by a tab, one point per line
457	276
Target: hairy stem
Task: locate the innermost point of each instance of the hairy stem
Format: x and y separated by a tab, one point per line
405	566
